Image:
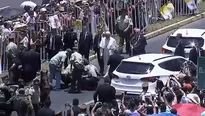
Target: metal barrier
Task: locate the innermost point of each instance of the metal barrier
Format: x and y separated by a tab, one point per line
142	12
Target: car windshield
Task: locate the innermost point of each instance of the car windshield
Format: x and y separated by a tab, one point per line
186	41
135	68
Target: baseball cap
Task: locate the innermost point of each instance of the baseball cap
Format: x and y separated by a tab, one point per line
188	86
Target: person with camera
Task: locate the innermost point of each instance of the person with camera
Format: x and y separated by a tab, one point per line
101	109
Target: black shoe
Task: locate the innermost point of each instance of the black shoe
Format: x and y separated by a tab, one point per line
78	91
72	91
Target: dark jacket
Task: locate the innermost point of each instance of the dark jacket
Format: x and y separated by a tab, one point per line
85	44
104	93
139	44
114	61
193	54
76	110
31	61
45	112
69	39
56	39
96	43
179	51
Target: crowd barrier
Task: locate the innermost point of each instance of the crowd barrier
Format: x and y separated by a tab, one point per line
142	12
42	28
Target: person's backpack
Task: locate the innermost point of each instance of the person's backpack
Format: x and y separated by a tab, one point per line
78	66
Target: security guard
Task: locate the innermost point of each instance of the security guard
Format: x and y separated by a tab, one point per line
11	52
30	63
77	69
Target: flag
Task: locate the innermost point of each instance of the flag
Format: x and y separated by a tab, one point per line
166	10
191	4
54	22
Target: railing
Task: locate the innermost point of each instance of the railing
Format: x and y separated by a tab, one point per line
142	12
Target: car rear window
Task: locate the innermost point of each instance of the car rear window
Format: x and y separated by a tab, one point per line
135	68
186	41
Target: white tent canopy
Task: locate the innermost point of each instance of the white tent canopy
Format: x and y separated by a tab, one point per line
28	3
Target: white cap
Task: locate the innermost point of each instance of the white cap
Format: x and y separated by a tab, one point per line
63	2
84	2
107	33
42	9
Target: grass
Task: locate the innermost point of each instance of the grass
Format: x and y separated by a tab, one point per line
161	24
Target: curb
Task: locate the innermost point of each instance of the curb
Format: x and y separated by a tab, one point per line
175	25
168	28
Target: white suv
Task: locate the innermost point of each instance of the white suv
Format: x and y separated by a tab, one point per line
134	71
189	37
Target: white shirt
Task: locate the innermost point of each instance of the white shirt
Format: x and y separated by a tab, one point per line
111	45
35	97
11	48
76	57
31	21
58	58
26	15
192	97
91	69
124	22
25	41
6	32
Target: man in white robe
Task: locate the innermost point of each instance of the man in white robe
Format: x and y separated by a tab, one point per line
107	47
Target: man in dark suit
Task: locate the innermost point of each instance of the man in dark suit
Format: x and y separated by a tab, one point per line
85	43
195	52
179	51
46	110
114	61
53	43
104	93
31	64
69	39
138	42
96	48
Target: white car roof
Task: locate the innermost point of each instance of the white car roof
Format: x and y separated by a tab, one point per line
147	58
190	32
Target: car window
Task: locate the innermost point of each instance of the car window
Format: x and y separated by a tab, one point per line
171	65
186	41
181	61
135	68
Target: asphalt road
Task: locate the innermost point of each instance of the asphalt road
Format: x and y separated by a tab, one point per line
60	97
154	46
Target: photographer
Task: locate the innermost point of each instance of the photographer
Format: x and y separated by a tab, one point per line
169	97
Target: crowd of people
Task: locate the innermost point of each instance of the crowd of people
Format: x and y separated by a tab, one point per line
28	92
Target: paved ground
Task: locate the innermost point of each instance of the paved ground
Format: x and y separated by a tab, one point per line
154	46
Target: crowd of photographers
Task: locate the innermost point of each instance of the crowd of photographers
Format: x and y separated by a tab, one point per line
179	89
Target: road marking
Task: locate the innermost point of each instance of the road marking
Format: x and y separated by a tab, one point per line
4	7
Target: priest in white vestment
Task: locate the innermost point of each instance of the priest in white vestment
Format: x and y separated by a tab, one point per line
107	47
